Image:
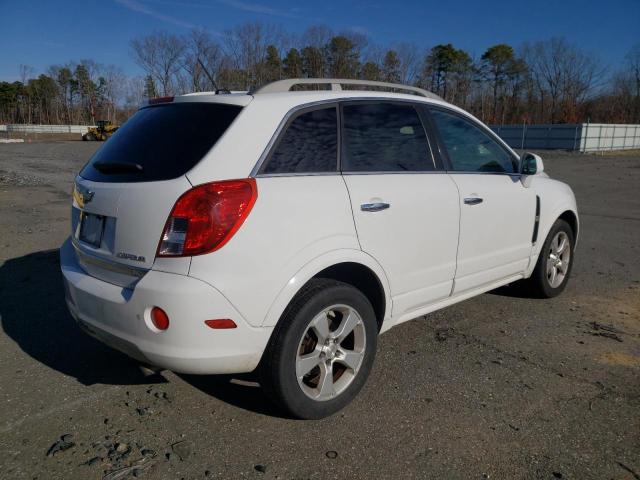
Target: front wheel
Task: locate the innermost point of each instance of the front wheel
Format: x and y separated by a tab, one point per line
321	351
551	274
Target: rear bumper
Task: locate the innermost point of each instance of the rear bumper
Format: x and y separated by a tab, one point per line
120	318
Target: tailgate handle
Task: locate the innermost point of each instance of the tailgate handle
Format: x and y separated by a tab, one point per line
374	207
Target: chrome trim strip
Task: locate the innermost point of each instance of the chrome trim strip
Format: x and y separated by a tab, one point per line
299	174
471	172
108	264
396	172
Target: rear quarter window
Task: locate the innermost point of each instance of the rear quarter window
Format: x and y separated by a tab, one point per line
309	144
160	142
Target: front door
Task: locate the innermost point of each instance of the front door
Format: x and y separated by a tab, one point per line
497	212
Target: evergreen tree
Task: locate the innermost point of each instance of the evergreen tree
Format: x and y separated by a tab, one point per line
292	64
391	67
150	87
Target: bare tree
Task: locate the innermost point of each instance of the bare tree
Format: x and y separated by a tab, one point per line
317	36
115	82
409	56
246	47
633	71
159	55
562	73
201	60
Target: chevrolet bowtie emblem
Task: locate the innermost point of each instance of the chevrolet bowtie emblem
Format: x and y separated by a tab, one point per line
82	195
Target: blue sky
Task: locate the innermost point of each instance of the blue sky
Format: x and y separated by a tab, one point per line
40	33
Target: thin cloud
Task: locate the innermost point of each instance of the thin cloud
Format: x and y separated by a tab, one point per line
237	4
257	8
138	7
359	29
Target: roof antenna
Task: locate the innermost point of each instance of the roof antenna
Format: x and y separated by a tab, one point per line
210	77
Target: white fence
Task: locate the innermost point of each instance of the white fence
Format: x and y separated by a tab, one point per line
583	137
599	136
80	129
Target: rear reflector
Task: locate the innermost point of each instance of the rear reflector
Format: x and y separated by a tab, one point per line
155	101
159	318
221	323
206	217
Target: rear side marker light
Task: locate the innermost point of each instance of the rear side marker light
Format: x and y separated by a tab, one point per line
159	318
206	217
221	324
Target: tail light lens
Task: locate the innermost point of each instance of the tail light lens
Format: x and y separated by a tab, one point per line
206	217
159	318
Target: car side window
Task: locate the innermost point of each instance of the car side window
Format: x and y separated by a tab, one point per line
470	149
309	144
384	137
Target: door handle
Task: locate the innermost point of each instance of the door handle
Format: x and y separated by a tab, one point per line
472	200
374	207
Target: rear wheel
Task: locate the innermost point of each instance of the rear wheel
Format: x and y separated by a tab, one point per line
551	274
322	350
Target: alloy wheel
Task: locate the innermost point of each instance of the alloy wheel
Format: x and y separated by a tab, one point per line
330	352
558	259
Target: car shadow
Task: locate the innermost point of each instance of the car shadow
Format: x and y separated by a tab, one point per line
241	391
515	290
33	313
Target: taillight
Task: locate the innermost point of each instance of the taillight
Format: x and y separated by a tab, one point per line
206	217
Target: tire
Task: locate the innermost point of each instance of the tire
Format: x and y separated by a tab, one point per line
308	378
552	271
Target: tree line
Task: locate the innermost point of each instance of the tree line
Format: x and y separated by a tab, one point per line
549	81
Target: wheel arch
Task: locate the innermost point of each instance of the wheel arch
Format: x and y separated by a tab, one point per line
564	211
350	266
571	218
362	278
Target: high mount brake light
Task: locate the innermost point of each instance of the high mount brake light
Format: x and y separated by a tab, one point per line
206	217
155	101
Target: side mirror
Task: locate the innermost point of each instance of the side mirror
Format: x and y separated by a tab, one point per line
531	164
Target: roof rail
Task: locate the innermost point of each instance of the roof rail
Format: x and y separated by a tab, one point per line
280	86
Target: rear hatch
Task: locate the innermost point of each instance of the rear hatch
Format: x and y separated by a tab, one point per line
124	194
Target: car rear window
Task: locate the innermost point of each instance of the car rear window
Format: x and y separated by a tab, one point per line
160	142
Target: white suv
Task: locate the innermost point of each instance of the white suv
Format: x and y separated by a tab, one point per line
281	231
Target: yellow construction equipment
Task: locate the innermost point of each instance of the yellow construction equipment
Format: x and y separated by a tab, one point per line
101	132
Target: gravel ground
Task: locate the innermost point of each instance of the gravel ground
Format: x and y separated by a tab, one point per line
499	386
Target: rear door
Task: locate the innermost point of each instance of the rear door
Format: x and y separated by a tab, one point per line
405	209
497	210
123	196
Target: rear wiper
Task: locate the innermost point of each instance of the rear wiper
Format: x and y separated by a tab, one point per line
117	167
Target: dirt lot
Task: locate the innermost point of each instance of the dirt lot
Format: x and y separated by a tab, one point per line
497	387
